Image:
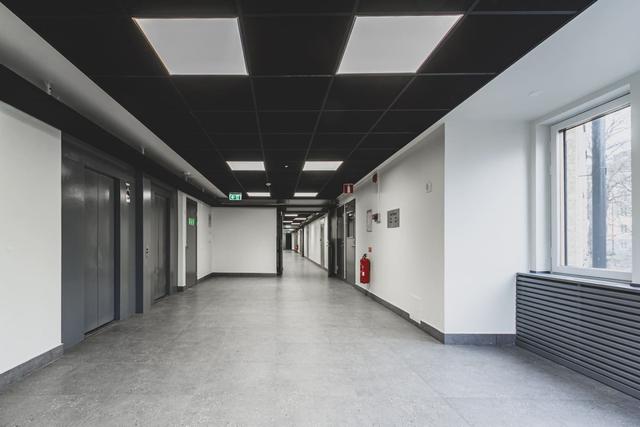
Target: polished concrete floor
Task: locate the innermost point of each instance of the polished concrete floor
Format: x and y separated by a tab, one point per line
299	350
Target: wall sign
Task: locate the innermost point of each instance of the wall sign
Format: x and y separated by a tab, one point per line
235	196
393	218
191	221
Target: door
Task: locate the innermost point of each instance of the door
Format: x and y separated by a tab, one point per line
192	243
99	289
322	244
287	242
340	242
350	213
160	247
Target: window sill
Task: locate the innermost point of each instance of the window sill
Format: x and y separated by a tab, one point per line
604	283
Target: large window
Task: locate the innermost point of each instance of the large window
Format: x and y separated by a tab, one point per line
592	224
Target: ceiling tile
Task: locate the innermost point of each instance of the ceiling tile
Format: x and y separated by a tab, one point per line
294	45
389	141
216	122
297	93
180	9
364	92
252	181
216	92
112	46
296	142
296	6
236	141
337	142
532	5
439	92
490	43
284	161
288	122
399	7
313	181
230	154
408	121
347	121
69	8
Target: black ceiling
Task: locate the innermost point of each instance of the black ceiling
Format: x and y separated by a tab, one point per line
292	106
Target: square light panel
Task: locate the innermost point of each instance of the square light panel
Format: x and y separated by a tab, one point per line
305	194
393	44
290	214
258	194
321	165
196	45
246	166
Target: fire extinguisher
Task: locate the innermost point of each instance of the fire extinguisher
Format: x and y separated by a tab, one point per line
365	269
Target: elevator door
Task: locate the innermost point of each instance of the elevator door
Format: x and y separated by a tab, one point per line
192	243
160	244
350	213
99	294
340	242
322	245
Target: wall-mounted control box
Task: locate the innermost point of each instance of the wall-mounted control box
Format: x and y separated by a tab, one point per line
393	218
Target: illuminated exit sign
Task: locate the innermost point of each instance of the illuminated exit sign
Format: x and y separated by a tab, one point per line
192	221
235	196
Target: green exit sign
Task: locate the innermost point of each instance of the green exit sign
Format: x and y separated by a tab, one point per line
235	196
192	221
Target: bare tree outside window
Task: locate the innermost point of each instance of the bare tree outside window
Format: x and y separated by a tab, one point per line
597	192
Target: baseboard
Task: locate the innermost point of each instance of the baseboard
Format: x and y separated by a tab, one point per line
313	262
203	278
19	372
449	339
242	275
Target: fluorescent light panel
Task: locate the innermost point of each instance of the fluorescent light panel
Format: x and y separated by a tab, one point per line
258	194
321	165
393	44
305	194
290	214
196	45
246	166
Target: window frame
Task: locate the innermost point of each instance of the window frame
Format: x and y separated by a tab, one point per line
557	192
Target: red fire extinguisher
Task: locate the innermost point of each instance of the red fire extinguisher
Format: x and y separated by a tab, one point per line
365	269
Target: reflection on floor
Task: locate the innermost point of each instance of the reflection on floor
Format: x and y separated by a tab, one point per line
299	350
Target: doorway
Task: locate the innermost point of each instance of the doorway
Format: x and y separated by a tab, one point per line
340	242
322	244
350	241
159	256
99	271
191	261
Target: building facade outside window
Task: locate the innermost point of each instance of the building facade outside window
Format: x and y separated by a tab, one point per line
592	215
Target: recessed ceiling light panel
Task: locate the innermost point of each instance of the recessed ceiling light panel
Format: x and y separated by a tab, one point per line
393	44
258	194
246	166
290	214
305	194
321	165
196	45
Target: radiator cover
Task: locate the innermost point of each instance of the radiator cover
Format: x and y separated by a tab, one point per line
590	327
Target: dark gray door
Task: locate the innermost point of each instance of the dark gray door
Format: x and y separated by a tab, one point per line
322	245
160	242
340	242
191	262
350	241
99	295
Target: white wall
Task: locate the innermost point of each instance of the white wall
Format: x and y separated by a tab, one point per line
244	240
315	241
486	217
30	238
407	262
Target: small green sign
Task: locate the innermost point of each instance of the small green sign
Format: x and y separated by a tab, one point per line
191	221
235	196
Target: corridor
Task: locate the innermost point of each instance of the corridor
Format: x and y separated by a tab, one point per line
302	349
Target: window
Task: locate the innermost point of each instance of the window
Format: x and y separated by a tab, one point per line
592	197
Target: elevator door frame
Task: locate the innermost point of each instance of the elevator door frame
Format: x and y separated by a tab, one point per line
350	241
161	192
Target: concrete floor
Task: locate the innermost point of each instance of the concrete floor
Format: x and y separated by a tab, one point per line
299	350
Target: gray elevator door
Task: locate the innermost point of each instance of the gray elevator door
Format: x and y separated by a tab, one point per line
160	244
192	243
99	295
